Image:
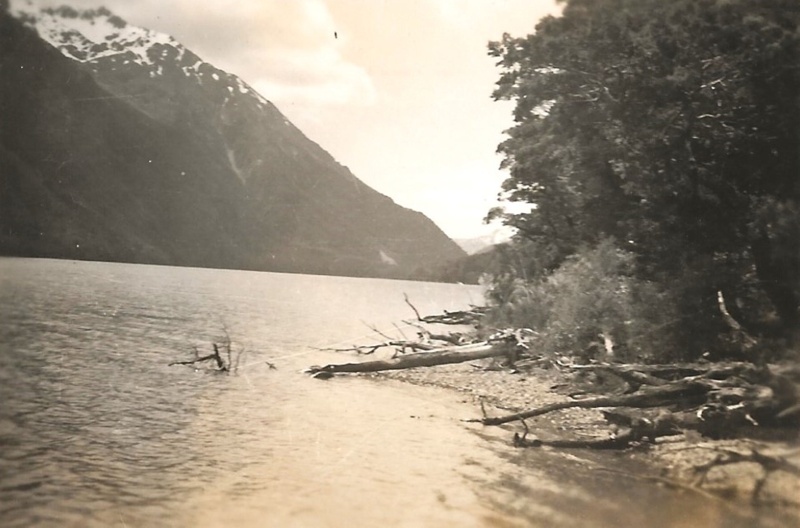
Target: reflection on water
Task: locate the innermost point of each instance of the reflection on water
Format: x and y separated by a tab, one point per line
97	430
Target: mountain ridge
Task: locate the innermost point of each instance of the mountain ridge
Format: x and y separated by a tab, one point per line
271	198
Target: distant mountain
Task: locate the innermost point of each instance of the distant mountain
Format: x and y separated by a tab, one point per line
474	245
483	243
118	143
471	268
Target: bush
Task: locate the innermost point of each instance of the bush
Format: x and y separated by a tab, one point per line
592	304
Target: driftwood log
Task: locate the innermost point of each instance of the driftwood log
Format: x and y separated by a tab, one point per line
461	317
715	400
444	356
637	431
687	392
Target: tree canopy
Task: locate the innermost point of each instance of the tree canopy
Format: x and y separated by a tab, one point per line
673	128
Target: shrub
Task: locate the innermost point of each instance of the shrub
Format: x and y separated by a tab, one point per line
592	304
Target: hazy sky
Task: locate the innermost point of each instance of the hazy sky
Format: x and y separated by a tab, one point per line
397	90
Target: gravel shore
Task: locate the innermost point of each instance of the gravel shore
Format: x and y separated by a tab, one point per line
674	458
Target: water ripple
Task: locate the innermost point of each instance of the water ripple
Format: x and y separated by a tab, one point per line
97	430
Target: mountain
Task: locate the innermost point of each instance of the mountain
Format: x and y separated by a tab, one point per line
471	268
483	243
475	245
118	143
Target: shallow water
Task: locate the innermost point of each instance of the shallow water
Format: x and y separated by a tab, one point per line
97	430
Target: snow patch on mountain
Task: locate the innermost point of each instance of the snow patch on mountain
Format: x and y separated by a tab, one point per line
193	69
234	166
92	34
386	259
100	39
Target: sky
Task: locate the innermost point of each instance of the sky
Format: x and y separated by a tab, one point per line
399	91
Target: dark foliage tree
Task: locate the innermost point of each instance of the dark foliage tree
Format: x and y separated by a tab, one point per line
673	127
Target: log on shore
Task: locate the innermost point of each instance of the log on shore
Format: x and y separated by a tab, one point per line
683	392
672	372
449	355
461	317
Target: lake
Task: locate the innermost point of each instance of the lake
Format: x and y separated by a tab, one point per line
97	430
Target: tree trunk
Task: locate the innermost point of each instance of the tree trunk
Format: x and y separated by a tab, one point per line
444	356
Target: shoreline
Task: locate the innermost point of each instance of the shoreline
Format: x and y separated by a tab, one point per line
675	459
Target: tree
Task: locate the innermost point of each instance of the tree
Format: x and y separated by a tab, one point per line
672	126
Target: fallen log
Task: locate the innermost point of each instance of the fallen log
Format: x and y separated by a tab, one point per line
461	317
673	372
628	373
400	345
620	441
444	356
635	430
637	426
709	420
615	442
680	392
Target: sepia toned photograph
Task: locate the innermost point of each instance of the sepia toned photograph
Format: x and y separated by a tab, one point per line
414	263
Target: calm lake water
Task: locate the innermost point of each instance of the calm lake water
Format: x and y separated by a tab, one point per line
97	430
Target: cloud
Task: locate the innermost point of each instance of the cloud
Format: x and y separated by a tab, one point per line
459	12
318	76
397	90
457	198
287	50
341	85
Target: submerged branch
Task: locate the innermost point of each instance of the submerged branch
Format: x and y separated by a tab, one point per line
225	356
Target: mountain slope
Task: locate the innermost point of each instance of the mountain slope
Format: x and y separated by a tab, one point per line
127	146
